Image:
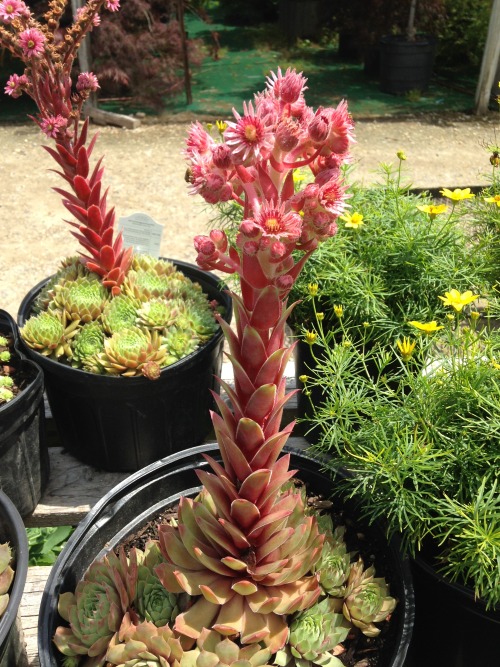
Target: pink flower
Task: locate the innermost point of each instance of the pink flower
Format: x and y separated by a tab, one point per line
52	125
249	138
32	42
276	224
113	5
198	141
15	84
11	9
87	82
288	87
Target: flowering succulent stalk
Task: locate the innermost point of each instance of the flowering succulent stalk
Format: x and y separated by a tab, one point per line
47	80
246	548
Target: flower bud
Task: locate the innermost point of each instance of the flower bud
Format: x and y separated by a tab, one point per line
250	229
284	282
221	156
251	248
277	251
204	245
219	238
319	127
287	134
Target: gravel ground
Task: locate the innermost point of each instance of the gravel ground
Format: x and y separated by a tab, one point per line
144	169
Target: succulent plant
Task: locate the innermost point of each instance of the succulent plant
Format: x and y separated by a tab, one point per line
4	350
367	600
160	317
70	269
128	351
6	384
214	650
96	609
315	635
120	313
6	575
144	645
49	334
153	602
146	285
87	344
179	343
247	561
158	314
334	564
82	299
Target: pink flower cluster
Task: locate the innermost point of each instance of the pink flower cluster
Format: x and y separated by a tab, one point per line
254	165
12	9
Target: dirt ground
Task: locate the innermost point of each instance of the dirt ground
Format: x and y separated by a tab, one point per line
144	169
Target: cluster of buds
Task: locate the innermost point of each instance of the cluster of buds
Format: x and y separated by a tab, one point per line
254	165
48	53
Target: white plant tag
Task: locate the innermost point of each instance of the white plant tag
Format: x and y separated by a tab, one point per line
142	233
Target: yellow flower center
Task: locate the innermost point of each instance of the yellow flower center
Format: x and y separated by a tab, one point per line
250	133
272	224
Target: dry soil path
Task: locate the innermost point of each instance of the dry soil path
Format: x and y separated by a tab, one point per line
144	169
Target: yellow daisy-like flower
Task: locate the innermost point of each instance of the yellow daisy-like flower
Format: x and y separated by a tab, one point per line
353	220
432	209
320	316
406	347
426	327
457	300
401	155
457	194
493	200
313	289
338	310
221	126
310	337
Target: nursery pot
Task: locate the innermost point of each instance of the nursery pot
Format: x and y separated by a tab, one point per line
12	530
406	65
24	463
139	498
122	424
452	627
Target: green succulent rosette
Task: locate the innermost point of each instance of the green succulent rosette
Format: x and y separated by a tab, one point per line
179	343
129	352
87	344
158	314
71	269
119	313
48	334
367	600
96	609
82	299
334	563
153	602
315	635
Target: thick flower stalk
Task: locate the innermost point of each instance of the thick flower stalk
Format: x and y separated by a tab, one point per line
246	548
47	80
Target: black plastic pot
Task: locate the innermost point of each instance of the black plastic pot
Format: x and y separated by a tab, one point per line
123	424
406	65
24	462
12	530
143	495
452	627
